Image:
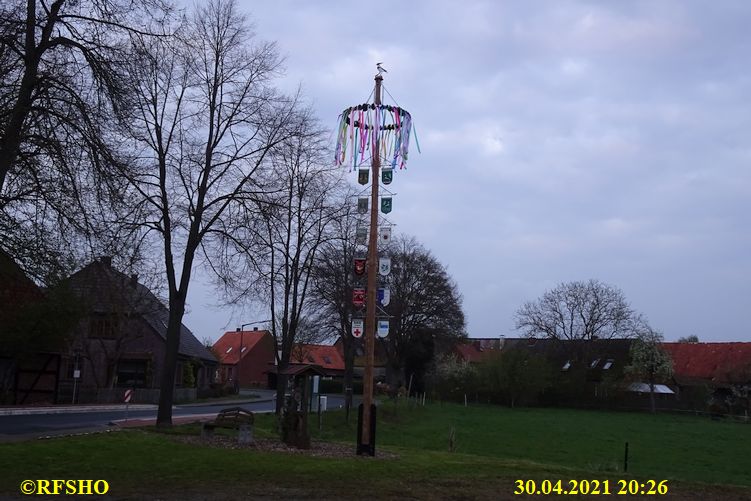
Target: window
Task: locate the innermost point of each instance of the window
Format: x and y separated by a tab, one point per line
594	363
228	350
243	350
131	373
327	359
103	327
566	366
311	359
608	364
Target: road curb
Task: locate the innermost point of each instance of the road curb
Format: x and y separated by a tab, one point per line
69	409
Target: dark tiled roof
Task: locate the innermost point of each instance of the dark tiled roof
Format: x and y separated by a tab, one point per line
106	290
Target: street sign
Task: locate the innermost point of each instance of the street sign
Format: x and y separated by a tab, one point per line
128	396
77	374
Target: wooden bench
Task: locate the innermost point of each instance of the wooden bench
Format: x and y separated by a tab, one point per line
234	418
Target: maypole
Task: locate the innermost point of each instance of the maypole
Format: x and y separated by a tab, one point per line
377	132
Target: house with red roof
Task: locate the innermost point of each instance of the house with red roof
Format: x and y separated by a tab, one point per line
327	357
245	356
716	364
477	350
718	374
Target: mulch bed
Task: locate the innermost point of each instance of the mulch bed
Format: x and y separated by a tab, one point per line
317	449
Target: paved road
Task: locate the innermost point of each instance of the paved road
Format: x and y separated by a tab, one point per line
18	426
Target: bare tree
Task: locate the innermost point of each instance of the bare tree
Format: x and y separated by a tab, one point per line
425	310
579	311
333	283
649	360
63	86
207	116
286	239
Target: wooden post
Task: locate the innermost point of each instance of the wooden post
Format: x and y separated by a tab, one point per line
370	312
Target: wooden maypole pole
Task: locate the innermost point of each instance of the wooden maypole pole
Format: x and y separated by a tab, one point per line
367	430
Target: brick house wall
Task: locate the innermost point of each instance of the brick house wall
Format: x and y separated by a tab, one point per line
256	362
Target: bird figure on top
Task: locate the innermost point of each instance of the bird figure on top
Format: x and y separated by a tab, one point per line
380	68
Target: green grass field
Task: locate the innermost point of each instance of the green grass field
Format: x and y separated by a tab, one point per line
702	459
661	445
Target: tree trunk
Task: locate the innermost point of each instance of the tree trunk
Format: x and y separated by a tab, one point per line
281	388
652	397
167	387
349	373
11	138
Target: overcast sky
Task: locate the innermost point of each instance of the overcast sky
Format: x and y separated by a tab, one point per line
560	141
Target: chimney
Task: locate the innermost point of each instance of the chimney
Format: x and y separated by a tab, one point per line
255	328
106	260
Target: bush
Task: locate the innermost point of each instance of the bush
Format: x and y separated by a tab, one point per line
450	379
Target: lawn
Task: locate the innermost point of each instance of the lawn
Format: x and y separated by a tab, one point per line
495	446
661	445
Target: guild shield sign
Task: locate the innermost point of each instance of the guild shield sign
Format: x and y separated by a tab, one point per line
362	176
362	205
358	297
383	328
385	234
359	265
384	296
384	266
358	327
361	237
387	175
386	205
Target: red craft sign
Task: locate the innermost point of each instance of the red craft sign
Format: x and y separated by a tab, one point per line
359	266
358	297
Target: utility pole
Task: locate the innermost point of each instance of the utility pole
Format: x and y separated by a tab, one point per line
370	311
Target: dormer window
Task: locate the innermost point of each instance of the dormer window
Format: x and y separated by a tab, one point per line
594	363
566	366
327	359
228	350
608	364
243	350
